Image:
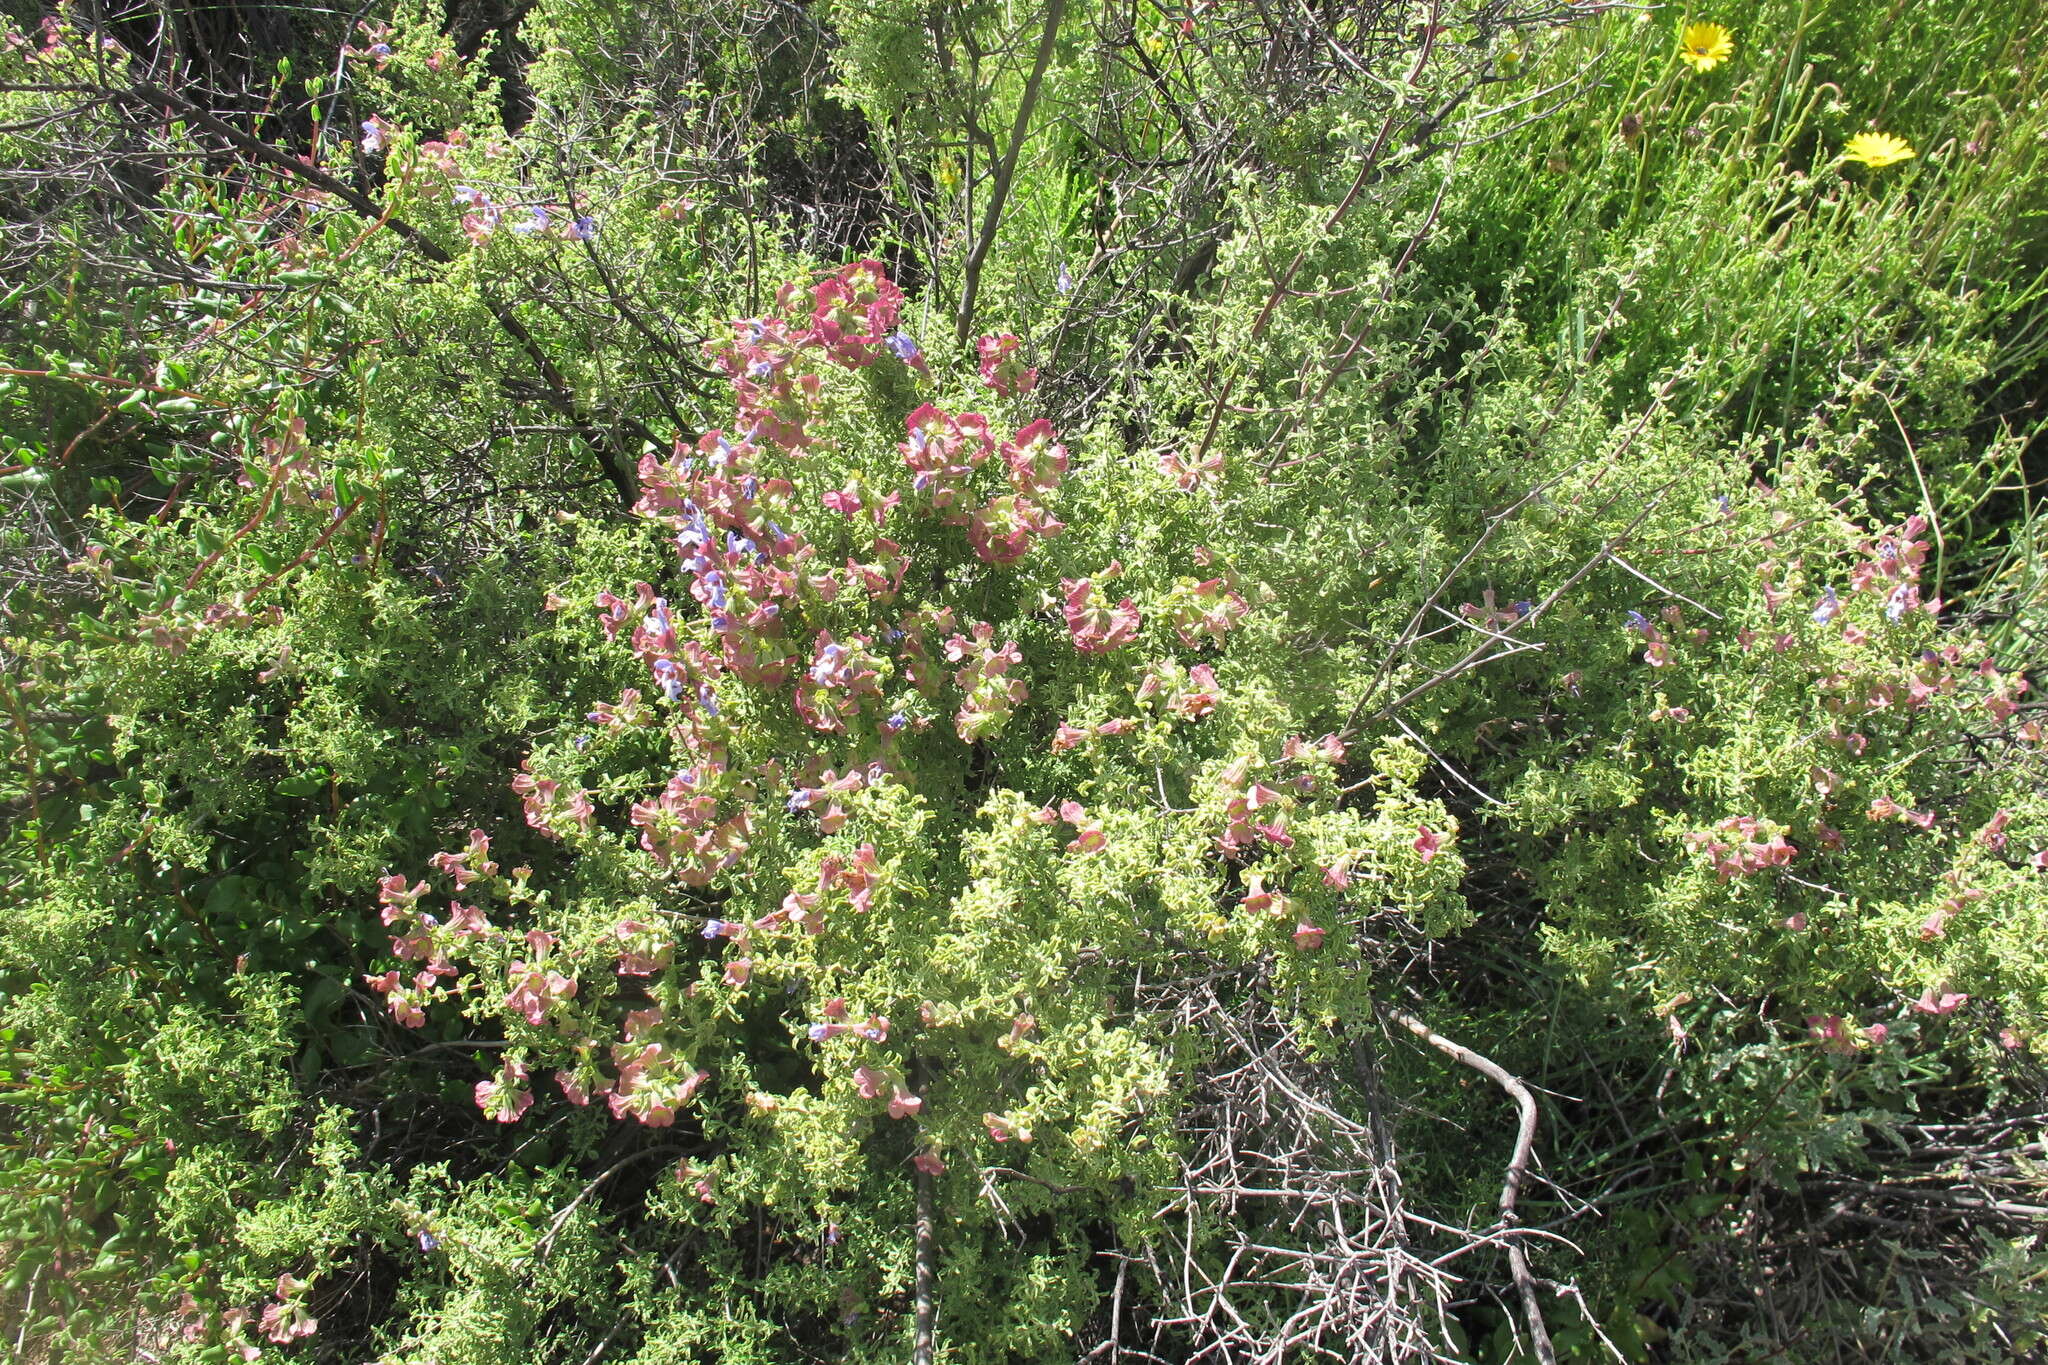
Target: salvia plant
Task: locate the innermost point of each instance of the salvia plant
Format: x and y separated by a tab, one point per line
955	683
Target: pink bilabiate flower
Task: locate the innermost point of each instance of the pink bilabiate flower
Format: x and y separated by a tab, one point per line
1937	1000
506	1097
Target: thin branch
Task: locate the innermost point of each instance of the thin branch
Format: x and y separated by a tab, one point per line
1518	1165
1006	170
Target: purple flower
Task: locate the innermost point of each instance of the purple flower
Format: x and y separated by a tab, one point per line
1895	605
585	229
1065	283
428	1241
670	677
1524	607
380	49
1829	605
373	136
903	346
707	699
714	928
1639	622
800	799
464	195
898	721
537	220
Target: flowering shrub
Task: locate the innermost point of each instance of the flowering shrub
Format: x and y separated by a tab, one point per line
849	800
584	817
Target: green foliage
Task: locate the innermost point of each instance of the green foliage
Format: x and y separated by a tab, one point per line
1482	517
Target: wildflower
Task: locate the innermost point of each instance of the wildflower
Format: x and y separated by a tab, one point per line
1829	605
1428	842
505	1098
584	229
905	348
1878	150
1002	369
1704	46
1936	1001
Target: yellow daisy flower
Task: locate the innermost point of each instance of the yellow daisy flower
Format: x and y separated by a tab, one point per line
1704	46
1878	150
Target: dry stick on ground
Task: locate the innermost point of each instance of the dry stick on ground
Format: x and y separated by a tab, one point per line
1006	171
1518	1165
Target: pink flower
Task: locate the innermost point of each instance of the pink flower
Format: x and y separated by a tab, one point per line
1002	528
1831	1032
575	1087
1795	922
1068	737
738	970
1036	459
506	1097
903	1104
869	1082
1934	1000
534	991
1003	1129
1992	836
1427	842
1002	369
1096	626
643	949
928	1161
1307	937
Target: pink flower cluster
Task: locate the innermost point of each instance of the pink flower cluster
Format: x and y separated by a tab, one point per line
859	876
1837	1035
1204	612
1088	835
1096	626
548	808
506	1097
1743	847
652	1083
990	693
1253	811
685	830
1002	369
1960	898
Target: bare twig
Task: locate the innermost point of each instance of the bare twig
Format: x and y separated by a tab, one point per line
1518	1166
